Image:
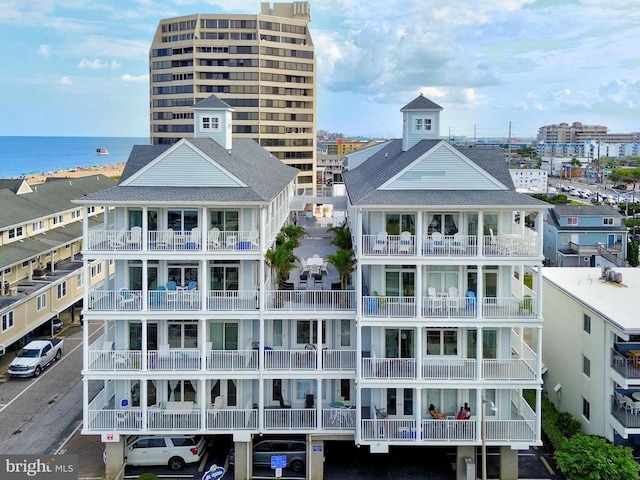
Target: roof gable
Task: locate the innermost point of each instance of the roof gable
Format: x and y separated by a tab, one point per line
442	168
183	165
421	103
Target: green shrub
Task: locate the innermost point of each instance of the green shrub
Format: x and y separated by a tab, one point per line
147	476
568	424
587	457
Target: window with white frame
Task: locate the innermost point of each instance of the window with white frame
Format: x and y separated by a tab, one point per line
15	232
586	323
307	386
572	221
564	238
586	408
96	269
76	214
57	219
79	282
442	342
7	321
607	221
210	123
422	124
37	226
41	301
62	290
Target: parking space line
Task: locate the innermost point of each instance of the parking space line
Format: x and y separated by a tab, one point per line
547	466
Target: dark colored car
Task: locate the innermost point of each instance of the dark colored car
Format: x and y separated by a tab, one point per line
294	451
57	325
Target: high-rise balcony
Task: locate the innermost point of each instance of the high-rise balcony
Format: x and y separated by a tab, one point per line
443	306
458	245
135	240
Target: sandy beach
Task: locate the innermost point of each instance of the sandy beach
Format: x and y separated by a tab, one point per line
106	170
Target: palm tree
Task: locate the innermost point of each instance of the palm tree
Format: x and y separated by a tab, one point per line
342	236
345	262
280	258
293	232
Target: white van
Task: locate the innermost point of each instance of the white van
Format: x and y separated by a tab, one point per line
174	451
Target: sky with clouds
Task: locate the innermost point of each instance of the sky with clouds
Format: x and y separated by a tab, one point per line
80	67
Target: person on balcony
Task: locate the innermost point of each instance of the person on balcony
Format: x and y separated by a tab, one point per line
464	413
435	413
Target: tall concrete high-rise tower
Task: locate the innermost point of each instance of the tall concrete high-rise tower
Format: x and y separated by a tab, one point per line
262	65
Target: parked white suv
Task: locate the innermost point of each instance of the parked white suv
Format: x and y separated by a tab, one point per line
174	451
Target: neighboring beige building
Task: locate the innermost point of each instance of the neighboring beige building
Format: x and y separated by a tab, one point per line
40	245
263	65
590	335
577	132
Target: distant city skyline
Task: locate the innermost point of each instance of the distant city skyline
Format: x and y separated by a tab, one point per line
81	68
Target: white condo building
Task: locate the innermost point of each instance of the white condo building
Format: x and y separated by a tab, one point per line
193	335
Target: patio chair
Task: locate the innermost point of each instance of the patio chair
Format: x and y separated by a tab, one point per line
164	352
309	400
214	238
172	291
165	239
404	244
436	302
127	299
380	413
380	245
437	242
283	403
304	277
119	239
457	243
453	302
195	238
135	238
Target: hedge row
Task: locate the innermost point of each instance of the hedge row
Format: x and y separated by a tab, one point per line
556	426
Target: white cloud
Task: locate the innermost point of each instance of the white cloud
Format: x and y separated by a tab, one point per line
134	79
65	81
44	50
96	64
115	64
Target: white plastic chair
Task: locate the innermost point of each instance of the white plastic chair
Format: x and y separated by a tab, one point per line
404	243
380	245
214	238
436	301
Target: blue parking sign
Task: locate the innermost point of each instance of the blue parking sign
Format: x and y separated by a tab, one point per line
278	461
214	473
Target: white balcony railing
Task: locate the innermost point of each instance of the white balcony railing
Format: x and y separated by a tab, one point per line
449	368
509	307
405	430
313	300
232	360
449	307
381	306
230	419
170	240
289	419
338	359
232	300
174	359
160	419
511	430
121	360
389	368
290	359
509	369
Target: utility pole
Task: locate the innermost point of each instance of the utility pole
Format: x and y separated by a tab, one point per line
509	162
475	134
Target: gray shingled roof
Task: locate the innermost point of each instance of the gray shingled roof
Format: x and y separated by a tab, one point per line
212	102
363	182
47	198
39	244
264	174
584	211
12	184
421	103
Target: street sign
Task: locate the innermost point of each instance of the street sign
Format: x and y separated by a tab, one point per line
278	461
214	473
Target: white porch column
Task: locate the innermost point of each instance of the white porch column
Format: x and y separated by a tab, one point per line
144	347
480	234
479	356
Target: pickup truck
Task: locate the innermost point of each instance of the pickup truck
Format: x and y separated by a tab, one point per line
35	357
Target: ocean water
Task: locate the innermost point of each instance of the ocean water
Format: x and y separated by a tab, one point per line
23	156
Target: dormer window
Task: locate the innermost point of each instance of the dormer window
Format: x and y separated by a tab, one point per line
423	124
